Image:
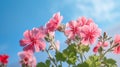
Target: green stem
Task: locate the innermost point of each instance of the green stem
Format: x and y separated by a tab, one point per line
84	57
109	49
81	57
102	56
68	65
54	45
61	63
51	58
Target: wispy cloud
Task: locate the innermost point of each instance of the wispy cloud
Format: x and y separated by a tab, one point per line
115	29
98	9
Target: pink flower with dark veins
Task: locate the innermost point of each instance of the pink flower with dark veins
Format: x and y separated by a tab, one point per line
27	58
54	22
90	33
72	29
84	21
33	40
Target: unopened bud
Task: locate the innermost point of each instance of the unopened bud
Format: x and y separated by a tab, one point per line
61	28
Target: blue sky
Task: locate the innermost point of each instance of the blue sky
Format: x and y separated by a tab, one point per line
16	16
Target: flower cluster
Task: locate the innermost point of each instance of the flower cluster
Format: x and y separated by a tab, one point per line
34	40
84	29
80	35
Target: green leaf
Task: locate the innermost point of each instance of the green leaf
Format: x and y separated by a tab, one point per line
93	61
60	56
59	65
72	60
82	48
83	65
111	61
85	48
41	64
70	53
48	63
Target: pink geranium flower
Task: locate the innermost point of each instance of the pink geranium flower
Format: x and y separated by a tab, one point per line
117	50
117	41
100	44
33	40
54	22
72	29
84	21
27	58
90	33
4	59
105	44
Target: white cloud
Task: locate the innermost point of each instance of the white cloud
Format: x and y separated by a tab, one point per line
103	8
99	9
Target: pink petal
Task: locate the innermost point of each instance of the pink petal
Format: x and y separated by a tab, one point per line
105	44
89	21
117	50
27	34
29	47
83	19
41	45
95	50
24	42
117	39
67	32
72	24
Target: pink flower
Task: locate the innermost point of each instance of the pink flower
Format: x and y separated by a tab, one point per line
100	44
27	58
95	49
54	22
90	33
72	29
4	59
117	50
83	21
117	41
105	44
33	40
